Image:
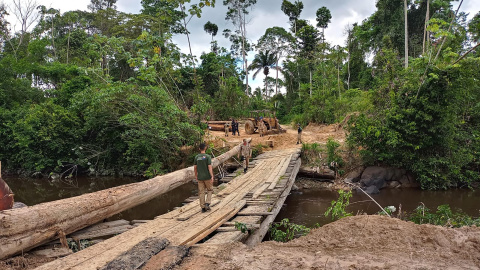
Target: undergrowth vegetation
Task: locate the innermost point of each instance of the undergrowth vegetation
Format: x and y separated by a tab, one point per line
444	216
285	230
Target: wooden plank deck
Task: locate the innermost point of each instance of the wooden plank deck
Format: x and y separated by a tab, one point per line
254	199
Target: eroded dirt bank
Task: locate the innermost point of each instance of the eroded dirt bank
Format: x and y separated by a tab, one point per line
359	242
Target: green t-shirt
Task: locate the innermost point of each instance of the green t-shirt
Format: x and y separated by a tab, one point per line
202	161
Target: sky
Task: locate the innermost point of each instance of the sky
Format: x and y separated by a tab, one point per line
265	14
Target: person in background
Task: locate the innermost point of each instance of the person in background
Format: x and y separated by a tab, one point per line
226	129
204	174
246	152
261	127
299	136
233	127
236	128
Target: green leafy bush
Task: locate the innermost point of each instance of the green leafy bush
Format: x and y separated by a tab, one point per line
432	130
285	231
338	208
332	153
444	216
311	153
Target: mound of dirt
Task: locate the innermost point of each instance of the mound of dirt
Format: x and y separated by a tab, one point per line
359	242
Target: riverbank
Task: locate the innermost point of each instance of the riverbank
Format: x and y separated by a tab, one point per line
358	242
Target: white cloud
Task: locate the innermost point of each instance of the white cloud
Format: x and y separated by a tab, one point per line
265	14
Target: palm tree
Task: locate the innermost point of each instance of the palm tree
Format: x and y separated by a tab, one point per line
264	61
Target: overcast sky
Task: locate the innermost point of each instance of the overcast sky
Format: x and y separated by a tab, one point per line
265	14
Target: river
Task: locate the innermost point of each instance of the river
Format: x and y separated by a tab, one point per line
304	207
307	206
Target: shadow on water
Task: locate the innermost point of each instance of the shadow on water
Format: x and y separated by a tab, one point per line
35	191
307	206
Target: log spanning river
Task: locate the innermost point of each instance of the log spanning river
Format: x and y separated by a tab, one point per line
304	207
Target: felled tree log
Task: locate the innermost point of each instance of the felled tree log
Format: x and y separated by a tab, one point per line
316	172
218	127
25	228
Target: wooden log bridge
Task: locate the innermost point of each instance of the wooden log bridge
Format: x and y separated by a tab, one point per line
25	228
253	199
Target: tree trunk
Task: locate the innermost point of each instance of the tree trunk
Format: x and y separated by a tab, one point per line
68	42
28	227
426	35
338	81
348	68
348	62
310	82
53	41
296	56
406	34
276	79
244	33
266	90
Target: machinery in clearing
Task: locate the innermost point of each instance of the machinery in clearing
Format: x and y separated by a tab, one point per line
268	118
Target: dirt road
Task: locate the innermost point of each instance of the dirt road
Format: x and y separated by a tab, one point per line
312	133
359	242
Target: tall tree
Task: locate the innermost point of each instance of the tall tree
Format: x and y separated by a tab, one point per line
474	27
211	29
309	38
237	13
25	13
323	19
96	5
48	17
263	61
425	32
163	17
278	41
293	11
4	33
406	32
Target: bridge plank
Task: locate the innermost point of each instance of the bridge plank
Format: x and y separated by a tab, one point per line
258	235
197	226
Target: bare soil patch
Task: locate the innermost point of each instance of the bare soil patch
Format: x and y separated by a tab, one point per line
359	242
311	134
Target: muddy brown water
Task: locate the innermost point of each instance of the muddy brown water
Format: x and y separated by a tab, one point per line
35	191
305	207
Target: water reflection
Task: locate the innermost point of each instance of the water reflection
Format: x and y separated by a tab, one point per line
307	206
35	191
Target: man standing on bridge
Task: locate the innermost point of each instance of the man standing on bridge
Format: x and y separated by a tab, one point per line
204	174
246	152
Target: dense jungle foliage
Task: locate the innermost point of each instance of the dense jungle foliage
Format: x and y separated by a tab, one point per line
105	92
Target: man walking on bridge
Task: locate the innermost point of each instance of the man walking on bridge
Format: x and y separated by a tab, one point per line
204	174
246	152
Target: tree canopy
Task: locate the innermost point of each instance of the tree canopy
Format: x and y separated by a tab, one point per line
106	92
